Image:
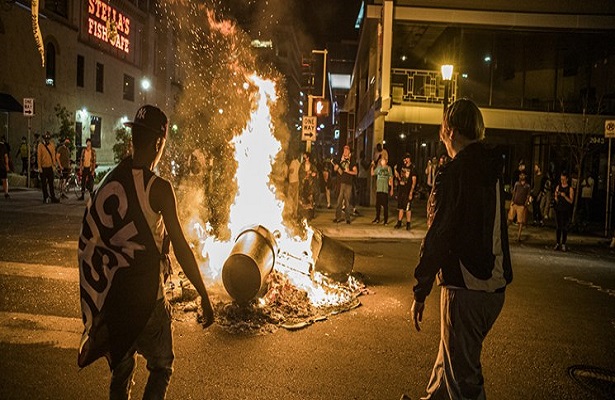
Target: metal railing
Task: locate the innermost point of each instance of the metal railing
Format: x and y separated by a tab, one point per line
419	86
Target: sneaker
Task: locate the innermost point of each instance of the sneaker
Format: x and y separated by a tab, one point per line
557	247
376	221
348	221
55	200
355	212
80	197
564	248
386	222
398	225
407	226
6	196
64	196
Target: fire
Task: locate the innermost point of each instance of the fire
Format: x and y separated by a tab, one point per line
256	204
221	92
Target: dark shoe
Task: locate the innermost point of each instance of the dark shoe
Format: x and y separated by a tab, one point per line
348	221
54	200
557	247
398	225
407	226
80	197
64	196
335	220
355	212
6	196
376	221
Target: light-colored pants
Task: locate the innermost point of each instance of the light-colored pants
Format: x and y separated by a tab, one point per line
466	316
155	344
343	200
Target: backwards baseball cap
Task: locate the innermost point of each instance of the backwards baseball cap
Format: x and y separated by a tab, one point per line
150	118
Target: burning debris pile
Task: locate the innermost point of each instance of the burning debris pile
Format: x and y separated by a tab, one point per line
282	306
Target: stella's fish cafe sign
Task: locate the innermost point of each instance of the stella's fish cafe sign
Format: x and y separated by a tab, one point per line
109	25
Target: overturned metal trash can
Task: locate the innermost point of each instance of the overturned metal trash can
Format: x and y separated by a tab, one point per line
246	269
332	257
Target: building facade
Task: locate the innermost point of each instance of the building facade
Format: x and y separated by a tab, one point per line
103	60
539	71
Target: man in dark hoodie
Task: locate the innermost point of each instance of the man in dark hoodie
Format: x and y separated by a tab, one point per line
466	246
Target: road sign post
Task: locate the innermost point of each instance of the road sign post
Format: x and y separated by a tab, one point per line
609	132
28	112
308	131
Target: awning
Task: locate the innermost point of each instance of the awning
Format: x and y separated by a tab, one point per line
8	103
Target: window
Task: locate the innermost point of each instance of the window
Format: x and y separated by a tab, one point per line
80	70
129	88
100	77
50	65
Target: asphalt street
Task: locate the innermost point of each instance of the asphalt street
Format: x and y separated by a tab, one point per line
553	340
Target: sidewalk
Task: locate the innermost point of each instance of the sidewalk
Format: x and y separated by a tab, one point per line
24	200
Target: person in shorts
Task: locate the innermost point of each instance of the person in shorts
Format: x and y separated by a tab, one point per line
519	202
406	178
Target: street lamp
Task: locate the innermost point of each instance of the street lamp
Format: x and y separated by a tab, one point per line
146	85
447	75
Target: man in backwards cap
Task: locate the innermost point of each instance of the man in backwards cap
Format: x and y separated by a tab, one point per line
123	261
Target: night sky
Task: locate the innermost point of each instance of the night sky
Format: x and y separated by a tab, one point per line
316	22
330	20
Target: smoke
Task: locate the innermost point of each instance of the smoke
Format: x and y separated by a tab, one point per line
213	61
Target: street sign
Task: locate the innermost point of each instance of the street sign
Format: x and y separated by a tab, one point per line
308	131
609	129
28	107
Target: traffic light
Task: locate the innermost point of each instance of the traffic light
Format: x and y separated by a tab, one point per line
320	107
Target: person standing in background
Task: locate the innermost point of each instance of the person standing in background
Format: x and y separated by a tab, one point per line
87	166
22	153
363	175
564	198
406	178
384	189
347	170
63	160
46	158
538	185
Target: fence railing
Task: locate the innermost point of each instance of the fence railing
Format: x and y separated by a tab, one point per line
420	86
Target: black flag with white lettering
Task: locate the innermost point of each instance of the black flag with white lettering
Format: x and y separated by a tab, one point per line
119	268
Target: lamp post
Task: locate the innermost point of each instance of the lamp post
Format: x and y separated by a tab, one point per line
447	76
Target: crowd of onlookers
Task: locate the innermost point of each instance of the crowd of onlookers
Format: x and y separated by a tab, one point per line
343	183
48	161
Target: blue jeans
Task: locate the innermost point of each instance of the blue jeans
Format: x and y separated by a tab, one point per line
155	344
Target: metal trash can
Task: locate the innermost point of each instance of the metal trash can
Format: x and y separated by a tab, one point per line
332	257
246	269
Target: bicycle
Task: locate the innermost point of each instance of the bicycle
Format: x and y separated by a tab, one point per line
73	184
